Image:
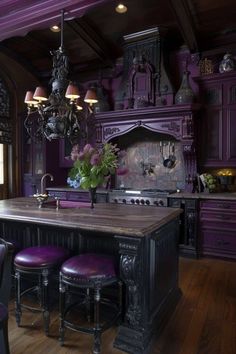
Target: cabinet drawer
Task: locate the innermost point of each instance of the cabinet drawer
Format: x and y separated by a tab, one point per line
222	243
176	203
218	216
218	225
218	204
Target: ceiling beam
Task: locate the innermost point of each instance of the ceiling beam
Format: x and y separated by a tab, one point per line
93	39
19	59
185	22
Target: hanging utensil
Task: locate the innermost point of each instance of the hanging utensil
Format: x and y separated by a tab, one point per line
170	161
172	156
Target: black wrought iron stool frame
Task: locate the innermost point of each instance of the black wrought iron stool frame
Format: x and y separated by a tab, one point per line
41	288
96	287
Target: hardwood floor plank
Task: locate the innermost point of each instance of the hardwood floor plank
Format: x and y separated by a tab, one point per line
228	337
204	321
191	341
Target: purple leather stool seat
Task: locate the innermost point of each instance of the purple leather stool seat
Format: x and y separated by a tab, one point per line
41	264
41	257
90	273
89	268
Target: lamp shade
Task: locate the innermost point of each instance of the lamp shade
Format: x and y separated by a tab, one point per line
40	94
90	97
72	92
29	99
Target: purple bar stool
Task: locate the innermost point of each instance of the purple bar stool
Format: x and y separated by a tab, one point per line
89	274
41	262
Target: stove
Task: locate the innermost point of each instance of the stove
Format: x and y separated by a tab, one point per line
147	197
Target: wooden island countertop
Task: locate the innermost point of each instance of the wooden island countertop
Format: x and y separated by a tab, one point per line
112	218
143	240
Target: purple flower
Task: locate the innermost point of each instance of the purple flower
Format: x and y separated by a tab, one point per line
121	171
81	156
87	148
95	159
74	152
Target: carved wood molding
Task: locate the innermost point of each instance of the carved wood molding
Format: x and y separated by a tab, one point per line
130	272
174	120
18	17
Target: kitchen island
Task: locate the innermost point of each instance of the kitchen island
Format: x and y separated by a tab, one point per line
144	241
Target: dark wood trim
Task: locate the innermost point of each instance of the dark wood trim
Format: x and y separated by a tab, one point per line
92	38
185	22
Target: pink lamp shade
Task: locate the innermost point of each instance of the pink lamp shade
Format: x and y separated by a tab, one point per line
90	97
40	94
29	99
72	92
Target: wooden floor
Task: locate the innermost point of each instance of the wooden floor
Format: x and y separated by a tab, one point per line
204	321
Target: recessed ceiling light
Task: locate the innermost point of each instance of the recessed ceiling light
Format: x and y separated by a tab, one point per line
121	8
55	28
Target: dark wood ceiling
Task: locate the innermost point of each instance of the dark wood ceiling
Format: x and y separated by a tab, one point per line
94	39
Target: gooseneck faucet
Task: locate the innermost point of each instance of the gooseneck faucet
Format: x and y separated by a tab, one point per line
42	181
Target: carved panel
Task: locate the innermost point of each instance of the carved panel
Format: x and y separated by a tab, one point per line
5	121
4	100
212	96
130	272
144	79
232	95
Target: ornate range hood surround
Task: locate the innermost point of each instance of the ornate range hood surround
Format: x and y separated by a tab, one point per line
176	121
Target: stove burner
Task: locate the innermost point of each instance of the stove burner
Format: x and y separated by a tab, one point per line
155	197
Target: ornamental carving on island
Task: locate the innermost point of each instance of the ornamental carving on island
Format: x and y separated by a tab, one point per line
129	274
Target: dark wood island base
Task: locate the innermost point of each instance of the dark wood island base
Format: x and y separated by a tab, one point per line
144	240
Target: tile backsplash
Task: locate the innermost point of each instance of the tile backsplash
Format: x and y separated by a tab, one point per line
142	166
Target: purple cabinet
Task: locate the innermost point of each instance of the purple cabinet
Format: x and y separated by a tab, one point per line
38	158
217	124
218	228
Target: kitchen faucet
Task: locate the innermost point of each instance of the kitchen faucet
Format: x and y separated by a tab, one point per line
42	181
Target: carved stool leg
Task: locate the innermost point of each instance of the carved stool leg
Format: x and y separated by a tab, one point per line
18	311
45	301
97	326
88	305
62	289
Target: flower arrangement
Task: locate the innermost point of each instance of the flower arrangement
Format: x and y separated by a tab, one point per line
92	164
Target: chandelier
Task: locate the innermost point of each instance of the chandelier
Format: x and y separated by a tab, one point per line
59	115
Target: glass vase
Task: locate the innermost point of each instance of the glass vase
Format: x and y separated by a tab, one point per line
185	93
